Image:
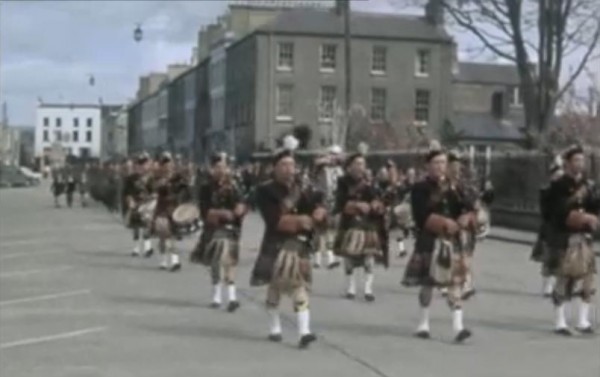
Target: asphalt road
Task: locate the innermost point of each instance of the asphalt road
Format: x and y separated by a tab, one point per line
74	303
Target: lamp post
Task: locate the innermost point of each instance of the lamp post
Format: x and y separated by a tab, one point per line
138	34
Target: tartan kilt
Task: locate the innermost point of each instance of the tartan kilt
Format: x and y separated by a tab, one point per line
418	271
213	241
355	242
287	268
539	253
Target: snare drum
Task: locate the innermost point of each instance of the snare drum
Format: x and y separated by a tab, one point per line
186	214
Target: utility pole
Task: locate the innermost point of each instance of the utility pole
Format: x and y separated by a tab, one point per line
342	8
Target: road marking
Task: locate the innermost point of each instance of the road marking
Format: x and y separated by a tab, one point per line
45	297
28	241
33	272
30	254
50	338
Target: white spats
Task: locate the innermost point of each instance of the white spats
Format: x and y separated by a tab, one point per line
401	246
561	321
216	292
330	257
147	245
457	320
231	293
584	315
275	325
136	250
164	261
424	322
369	278
175	259
303	322
351	284
317	259
548	285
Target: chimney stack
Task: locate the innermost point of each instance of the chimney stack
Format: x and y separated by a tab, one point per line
434	12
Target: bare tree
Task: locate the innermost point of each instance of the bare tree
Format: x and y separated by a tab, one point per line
537	36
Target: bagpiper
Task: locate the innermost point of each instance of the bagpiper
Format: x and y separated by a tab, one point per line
361	213
290	213
573	218
540	248
327	173
222	209
168	187
137	191
442	214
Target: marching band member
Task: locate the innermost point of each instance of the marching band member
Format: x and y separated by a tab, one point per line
222	209
328	171
137	191
168	186
58	185
540	249
441	213
574	215
290	213
361	217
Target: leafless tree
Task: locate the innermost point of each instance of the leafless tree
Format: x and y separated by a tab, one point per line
537	36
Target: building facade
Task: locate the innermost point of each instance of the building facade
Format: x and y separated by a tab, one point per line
114	133
290	72
70	129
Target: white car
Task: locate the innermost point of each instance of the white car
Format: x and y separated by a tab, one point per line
32	176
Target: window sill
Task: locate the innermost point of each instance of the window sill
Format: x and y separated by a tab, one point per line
326	120
378	73
327	70
421	75
420	123
284	118
516	105
285	69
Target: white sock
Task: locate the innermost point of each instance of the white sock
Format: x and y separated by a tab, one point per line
175	259
217	293
147	245
548	284
318	258
401	246
369	277
584	315
457	320
231	292
275	322
561	322
136	248
330	257
303	322
351	283
424	324
165	260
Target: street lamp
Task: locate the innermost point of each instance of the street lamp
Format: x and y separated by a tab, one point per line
138	34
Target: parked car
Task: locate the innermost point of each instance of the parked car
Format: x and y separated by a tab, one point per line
31	175
11	176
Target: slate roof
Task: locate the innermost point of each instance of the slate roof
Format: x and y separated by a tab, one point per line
485	73
484	126
362	24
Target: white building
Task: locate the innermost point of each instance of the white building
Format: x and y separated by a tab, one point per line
74	128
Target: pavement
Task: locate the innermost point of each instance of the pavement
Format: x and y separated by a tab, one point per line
74	303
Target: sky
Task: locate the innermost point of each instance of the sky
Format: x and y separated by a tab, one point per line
49	49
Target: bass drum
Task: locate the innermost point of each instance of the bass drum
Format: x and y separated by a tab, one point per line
186	214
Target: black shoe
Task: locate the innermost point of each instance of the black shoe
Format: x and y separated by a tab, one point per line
148	253
333	265
350	296
468	294
306	340
423	334
402	254
463	335
316	265
215	305
233	306
175	267
547	295
369	297
564	332
134	254
275	338
586	330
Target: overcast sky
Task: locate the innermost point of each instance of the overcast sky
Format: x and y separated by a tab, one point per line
48	49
